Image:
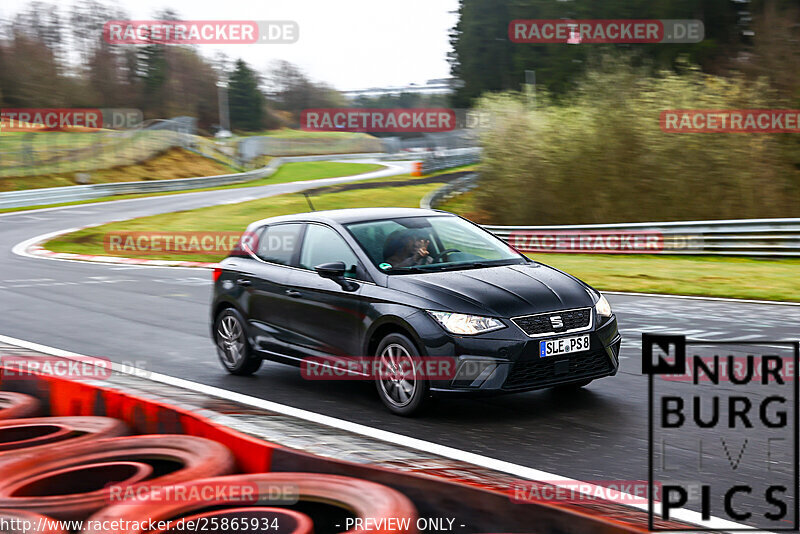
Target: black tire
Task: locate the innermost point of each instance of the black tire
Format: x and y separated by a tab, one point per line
233	347
395	394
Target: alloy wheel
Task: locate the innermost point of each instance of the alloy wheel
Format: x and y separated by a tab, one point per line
230	336
397	375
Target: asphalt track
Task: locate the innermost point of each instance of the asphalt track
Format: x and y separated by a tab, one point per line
157	319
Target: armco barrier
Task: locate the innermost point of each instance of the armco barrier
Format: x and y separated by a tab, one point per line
58	195
736	237
482	504
74	193
447	191
441	160
745	237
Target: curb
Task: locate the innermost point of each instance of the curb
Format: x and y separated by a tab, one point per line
269	438
36	249
41	252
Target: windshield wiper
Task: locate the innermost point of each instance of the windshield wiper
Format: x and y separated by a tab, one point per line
439	267
460	266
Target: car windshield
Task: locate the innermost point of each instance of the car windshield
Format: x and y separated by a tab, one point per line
414	244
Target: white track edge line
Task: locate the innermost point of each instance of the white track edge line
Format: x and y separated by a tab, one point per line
698	297
452	453
99	200
20	249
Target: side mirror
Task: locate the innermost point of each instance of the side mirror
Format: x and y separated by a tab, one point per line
331	270
335	271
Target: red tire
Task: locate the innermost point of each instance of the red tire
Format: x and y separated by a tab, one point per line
17	405
28	523
328	499
68	483
41	433
274	520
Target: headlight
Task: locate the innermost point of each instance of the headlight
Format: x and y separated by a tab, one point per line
458	323
602	307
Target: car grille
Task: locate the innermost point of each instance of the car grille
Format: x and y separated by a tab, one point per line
541	324
541	371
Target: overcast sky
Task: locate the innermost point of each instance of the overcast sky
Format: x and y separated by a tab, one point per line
351	44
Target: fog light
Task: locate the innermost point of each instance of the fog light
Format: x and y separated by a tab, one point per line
473	373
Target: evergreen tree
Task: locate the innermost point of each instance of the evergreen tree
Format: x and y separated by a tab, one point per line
245	99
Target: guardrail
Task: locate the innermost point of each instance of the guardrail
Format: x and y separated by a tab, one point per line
440	160
449	190
264	145
738	237
74	193
743	237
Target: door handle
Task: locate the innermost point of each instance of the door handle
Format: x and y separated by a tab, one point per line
243	282
294	293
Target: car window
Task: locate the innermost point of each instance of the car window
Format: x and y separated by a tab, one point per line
373	236
278	244
436	242
324	245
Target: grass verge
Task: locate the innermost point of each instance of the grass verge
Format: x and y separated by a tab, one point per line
174	163
235	217
311	170
288	133
707	276
289	172
698	275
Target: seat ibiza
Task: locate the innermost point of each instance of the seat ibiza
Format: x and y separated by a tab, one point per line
423	302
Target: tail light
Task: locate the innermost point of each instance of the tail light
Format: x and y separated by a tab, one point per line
217	273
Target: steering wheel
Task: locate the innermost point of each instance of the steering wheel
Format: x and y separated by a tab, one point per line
442	254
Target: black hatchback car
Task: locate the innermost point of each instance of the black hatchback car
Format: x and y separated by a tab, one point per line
423	302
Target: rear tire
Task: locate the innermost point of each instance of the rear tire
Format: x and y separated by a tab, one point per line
403	394
233	347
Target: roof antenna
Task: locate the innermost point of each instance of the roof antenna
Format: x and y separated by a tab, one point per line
308	199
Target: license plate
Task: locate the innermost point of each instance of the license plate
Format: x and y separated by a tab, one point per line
564	345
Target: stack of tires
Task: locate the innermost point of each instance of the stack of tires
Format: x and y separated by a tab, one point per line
90	469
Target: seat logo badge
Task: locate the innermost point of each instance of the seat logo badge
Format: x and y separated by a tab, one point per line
556	321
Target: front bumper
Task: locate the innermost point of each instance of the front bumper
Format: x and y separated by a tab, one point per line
493	364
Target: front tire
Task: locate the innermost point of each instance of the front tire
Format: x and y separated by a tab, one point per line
233	348
399	388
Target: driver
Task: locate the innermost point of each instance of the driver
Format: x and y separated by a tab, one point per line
405	250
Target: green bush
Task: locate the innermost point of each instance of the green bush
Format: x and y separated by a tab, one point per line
600	155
